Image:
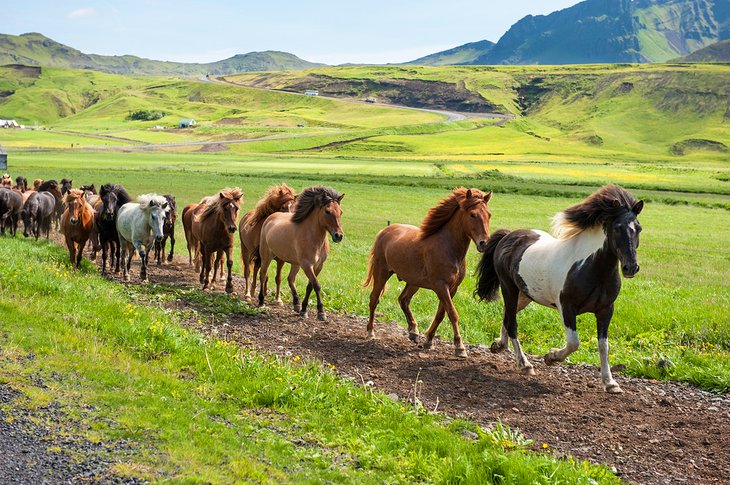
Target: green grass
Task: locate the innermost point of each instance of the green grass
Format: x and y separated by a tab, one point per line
199	410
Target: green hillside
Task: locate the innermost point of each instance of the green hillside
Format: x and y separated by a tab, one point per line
463	54
37	50
718	52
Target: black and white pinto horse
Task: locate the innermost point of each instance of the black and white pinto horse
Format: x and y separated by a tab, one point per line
575	272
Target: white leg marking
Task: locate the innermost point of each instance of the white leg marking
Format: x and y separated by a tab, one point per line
502	342
609	384
522	363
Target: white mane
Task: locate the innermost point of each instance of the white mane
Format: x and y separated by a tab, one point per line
147	200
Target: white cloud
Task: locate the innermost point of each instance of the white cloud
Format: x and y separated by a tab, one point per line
82	12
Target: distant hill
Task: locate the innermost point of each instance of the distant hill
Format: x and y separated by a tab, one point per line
38	50
718	52
609	31
464	54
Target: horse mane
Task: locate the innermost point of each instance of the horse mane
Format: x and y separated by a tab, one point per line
122	196
47	185
37	183
214	203
148	200
602	206
73	194
172	203
273	201
313	197
441	214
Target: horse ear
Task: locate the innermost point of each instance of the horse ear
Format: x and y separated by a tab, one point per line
164	206
616	202
468	194
487	197
339	199
637	207
220	194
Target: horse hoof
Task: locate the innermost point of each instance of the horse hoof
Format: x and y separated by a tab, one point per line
229	289
413	336
427	344
279	302
371	334
614	388
528	371
322	317
297	308
125	277
496	347
550	358
461	353
303	313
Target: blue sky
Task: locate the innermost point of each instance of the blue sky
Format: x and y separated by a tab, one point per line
329	31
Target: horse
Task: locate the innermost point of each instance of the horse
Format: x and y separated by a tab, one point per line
66	185
168	231
187	218
37	213
37	183
89	189
77	223
575	272
6	181
432	256
21	183
300	239
278	199
213	226
112	198
53	187
10	204
139	225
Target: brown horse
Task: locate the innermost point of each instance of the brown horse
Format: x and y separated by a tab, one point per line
77	223
432	256
213	226
6	181
278	199
300	239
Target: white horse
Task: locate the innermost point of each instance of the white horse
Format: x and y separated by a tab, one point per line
139	225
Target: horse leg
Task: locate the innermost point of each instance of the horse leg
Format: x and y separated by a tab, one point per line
444	294
265	262
404	300
437	319
279	267
71	250
511	296
80	252
143	257
206	259
104	255
172	247
571	337
246	273
216	265
292	278
312	274
380	276
502	343
229	266
603	319
158	250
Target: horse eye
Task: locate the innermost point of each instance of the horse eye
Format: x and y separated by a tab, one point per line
328	212
473	216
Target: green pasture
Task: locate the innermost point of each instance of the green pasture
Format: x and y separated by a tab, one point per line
677	308
172	405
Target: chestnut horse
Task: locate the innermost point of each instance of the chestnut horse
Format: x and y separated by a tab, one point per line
575	272
212	229
278	199
432	256
77	223
300	239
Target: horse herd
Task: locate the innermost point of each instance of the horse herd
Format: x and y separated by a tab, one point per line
575	271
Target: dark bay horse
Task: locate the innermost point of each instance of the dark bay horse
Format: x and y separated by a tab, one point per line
37	213
21	183
113	197
277	199
168	231
52	187
66	185
300	239
432	256
77	222
213	226
11	203
575	272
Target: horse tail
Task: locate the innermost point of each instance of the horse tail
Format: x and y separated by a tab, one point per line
371	265
487	279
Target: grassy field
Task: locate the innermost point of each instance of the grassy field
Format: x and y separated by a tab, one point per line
677	309
194	410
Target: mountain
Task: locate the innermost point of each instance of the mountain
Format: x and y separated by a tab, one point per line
464	54
609	31
718	52
38	50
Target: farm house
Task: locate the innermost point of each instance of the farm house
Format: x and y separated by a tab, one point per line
186	123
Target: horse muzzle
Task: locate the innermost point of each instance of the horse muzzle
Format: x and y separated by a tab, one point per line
231	229
482	245
337	237
73	221
629	270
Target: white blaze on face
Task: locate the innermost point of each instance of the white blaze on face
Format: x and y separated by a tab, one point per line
545	265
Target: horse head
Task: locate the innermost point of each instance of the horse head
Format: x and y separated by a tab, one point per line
75	204
229	201
286	198
110	205
476	216
66	185
330	214
6	181
171	215
157	208
622	234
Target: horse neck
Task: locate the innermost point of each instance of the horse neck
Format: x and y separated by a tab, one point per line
313	227
605	260
455	237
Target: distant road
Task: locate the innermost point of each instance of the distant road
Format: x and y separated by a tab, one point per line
450	115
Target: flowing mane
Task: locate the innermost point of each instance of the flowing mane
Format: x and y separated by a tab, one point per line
600	207
122	196
148	200
73	194
441	214
214	204
275	198
311	198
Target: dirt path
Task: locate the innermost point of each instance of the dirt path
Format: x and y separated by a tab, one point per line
656	432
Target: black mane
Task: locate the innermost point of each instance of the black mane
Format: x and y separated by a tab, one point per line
48	185
602	206
311	198
121	193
